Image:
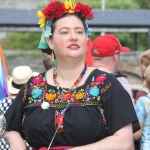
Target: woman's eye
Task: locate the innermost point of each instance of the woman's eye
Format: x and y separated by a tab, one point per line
64	32
79	32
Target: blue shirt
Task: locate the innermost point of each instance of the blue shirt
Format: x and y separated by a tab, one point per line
142	109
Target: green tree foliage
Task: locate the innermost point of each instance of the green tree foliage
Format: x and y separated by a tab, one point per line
143	4
21	41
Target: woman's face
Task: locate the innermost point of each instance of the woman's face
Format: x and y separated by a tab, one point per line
69	38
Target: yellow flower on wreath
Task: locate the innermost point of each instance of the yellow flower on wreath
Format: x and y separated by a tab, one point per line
50	97
69	5
42	20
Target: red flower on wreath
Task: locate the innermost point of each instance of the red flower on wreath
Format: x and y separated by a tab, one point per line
85	10
60	10
49	10
54	10
79	7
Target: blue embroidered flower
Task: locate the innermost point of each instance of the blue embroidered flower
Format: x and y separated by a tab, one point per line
44	79
94	91
93	79
36	92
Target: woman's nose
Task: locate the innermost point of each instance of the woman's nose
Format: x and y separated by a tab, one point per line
73	35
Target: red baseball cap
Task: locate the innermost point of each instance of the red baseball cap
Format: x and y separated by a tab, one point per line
107	45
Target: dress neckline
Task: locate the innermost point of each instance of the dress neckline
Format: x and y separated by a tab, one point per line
54	86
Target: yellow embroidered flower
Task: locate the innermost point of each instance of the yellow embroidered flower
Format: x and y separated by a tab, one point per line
69	5
50	97
42	20
79	96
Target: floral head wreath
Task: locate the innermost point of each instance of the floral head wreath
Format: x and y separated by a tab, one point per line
56	9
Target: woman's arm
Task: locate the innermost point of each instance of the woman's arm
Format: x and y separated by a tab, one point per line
138	134
121	140
14	140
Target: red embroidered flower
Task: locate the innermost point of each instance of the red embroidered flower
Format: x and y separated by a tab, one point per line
92	83
37	79
60	10
67	96
100	78
42	83
59	120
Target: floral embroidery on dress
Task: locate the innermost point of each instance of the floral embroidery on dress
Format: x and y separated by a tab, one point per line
36	92
39	95
51	95
90	95
59	120
80	94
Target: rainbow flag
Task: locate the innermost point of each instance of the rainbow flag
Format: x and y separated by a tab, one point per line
3	76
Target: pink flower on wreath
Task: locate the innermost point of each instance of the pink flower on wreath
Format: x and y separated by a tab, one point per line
100	78
37	79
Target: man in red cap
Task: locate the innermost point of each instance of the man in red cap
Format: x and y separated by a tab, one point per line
106	56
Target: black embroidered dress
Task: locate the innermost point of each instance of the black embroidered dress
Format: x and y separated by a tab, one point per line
99	108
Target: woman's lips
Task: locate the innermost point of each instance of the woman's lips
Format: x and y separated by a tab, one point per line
73	46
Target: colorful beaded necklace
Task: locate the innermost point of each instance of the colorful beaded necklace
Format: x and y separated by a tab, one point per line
74	86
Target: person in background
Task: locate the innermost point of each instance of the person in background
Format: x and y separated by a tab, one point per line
88	56
47	60
142	108
106	56
20	76
144	62
63	103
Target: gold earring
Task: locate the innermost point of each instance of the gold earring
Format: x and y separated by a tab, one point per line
52	56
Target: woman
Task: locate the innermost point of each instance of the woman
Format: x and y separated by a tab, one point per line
70	106
142	108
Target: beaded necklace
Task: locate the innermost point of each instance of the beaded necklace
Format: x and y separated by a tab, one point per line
74	86
71	90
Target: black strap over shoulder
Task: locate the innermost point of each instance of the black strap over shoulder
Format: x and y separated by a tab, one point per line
118	75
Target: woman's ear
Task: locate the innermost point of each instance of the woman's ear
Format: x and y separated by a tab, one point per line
49	41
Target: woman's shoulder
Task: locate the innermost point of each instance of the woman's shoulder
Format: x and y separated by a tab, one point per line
98	76
96	72
39	77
